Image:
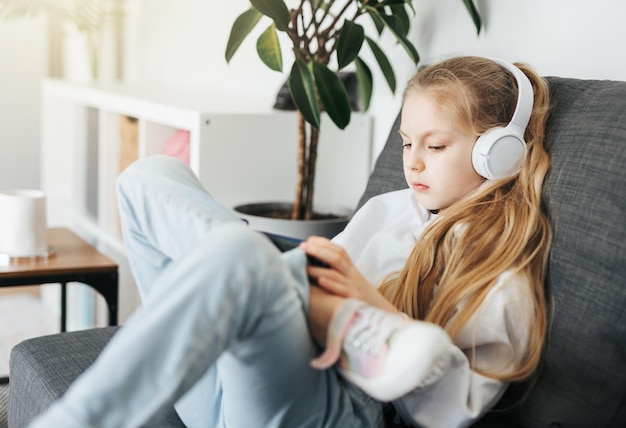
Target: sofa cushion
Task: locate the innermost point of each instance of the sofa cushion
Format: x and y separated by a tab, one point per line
583	381
41	370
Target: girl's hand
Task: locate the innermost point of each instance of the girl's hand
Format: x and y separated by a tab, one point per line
341	277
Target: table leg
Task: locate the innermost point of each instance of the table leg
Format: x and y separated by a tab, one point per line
63	307
107	286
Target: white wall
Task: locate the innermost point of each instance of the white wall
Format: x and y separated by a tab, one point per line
182	42
22	66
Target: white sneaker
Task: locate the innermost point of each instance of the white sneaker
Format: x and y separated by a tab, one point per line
386	354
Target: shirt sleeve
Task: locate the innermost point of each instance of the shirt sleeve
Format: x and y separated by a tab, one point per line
454	394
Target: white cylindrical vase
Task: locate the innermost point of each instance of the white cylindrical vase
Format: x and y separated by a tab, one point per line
23	223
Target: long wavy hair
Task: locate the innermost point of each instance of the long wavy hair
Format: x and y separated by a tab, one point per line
500	227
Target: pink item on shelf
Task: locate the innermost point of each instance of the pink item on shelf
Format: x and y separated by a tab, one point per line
178	146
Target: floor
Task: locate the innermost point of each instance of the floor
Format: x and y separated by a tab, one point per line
22	316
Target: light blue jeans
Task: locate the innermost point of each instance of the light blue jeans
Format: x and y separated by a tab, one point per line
223	330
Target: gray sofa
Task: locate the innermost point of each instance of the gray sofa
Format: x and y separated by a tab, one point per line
582	382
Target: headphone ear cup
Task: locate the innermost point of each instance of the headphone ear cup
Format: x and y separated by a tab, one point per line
499	153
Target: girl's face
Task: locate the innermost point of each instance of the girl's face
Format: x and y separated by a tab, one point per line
437	155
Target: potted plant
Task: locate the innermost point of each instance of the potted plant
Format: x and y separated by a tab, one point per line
326	36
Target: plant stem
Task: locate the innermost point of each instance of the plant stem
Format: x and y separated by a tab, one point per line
309	47
312	160
302	167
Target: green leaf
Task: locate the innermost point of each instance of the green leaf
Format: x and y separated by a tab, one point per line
365	81
333	94
350	42
471	8
241	28
395	26
275	9
302	89
268	48
376	19
383	63
403	18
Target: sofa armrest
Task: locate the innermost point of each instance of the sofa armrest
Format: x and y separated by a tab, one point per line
43	368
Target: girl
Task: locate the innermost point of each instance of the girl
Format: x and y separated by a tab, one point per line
231	327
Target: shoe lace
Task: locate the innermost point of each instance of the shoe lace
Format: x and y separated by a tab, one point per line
367	341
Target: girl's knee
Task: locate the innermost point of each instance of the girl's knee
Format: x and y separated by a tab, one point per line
239	244
245	256
149	168
152	175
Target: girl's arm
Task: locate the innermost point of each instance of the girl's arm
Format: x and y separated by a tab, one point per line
494	341
341	277
322	306
452	391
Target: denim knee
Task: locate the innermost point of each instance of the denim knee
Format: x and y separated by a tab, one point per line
148	169
246	256
241	247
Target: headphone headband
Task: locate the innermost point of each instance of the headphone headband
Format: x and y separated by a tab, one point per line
524	105
500	152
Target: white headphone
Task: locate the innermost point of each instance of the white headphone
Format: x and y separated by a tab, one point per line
500	152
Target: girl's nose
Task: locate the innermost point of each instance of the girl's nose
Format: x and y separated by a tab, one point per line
414	161
418	166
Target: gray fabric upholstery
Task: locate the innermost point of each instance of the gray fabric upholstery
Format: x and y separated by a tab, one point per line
42	369
388	174
583	381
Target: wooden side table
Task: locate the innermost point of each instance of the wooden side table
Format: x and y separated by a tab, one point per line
73	260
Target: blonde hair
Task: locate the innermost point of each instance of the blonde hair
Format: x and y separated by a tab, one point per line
504	223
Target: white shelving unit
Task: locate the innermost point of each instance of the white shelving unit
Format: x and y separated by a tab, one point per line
240	148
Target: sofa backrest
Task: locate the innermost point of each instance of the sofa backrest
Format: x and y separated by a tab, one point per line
583	378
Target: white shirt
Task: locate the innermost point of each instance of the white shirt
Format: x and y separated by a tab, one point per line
379	239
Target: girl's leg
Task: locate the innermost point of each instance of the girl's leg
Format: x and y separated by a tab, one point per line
163	210
269	381
232	291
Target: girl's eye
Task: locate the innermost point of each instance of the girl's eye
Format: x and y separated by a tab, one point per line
437	148
406	146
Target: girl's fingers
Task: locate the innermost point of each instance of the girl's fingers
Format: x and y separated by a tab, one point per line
325	251
329	280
